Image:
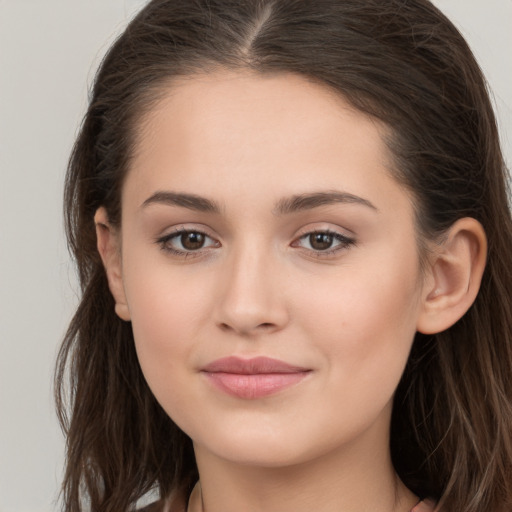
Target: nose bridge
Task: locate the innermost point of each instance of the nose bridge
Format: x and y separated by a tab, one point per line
252	299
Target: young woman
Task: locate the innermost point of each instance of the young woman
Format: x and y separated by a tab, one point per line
291	226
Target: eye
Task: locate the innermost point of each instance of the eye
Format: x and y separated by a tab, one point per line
186	241
326	242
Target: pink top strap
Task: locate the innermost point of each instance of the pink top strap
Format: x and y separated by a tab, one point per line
424	506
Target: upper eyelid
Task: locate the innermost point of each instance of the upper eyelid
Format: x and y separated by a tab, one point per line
176	232
323	230
339	236
338	230
182	228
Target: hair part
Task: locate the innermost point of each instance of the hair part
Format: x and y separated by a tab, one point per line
401	62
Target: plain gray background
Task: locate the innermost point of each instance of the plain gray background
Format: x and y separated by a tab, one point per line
49	50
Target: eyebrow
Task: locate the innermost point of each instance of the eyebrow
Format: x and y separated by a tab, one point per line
283	206
190	201
317	199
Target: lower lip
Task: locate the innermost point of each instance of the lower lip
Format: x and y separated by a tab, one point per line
254	385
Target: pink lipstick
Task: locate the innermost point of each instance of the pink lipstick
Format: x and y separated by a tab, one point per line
253	378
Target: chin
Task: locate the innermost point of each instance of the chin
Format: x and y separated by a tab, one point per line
259	455
254	445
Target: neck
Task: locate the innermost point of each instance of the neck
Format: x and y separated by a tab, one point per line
347	480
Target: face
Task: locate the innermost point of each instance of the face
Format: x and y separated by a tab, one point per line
269	268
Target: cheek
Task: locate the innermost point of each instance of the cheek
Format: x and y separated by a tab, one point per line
159	340
167	312
364	319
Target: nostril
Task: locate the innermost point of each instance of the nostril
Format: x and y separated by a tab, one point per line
265	326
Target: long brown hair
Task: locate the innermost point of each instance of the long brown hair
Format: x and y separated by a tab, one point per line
400	61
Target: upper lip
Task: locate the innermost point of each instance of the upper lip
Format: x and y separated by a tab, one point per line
253	366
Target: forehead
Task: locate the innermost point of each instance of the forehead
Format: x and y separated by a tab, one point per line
231	131
275	108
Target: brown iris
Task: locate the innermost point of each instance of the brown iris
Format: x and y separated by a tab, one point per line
321	241
192	240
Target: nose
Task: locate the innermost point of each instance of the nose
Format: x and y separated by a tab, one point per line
252	299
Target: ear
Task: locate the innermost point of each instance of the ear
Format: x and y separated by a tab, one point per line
109	248
454	275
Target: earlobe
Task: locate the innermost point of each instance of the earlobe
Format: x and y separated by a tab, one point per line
109	249
454	276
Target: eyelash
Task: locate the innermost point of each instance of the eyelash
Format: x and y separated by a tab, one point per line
344	243
165	241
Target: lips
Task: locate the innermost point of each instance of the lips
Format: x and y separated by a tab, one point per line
253	378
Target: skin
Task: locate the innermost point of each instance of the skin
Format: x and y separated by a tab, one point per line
258	287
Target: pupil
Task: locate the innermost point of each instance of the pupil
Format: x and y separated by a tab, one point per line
192	241
320	241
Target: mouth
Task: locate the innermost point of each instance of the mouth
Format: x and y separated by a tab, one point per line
253	378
